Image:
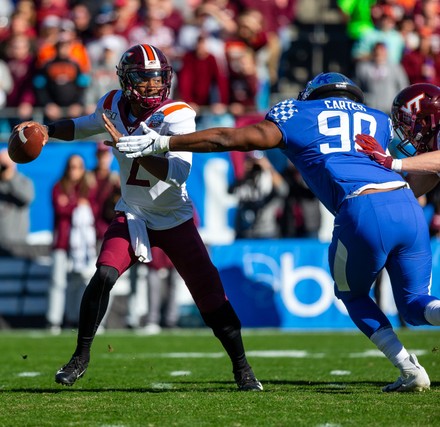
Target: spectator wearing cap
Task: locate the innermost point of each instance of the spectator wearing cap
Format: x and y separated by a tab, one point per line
60	83
103	74
49	31
104	37
77	51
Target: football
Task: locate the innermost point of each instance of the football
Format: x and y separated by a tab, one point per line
26	144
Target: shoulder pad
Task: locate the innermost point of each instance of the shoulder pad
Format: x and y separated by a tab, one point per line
177	111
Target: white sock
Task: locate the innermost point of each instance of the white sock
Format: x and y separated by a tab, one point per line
432	312
387	342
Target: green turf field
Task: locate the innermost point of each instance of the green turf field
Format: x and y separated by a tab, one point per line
184	379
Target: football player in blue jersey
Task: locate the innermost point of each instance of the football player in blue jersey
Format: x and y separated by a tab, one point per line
378	221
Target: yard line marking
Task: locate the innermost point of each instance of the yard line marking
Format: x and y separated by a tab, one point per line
293	354
161	386
28	374
340	372
180	373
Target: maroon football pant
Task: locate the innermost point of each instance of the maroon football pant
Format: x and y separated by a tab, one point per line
184	247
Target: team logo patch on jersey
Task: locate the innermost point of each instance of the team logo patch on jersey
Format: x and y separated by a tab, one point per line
156	119
110	114
283	111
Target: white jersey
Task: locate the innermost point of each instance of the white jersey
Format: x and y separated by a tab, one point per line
161	204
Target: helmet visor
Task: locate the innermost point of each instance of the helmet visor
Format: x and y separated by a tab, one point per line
138	77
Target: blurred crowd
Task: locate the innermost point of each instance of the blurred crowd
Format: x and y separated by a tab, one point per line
58	57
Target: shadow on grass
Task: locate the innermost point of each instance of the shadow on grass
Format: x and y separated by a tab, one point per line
343	387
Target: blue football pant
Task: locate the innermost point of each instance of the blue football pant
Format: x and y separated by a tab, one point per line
376	231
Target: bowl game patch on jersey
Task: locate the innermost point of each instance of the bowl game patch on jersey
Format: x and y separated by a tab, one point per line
156	119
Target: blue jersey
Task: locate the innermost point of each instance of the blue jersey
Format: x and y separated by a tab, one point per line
320	141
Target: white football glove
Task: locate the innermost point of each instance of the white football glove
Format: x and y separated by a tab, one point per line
143	145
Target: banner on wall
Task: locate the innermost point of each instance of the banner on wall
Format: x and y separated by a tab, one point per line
287	284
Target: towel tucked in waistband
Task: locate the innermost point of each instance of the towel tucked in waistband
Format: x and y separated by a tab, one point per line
139	237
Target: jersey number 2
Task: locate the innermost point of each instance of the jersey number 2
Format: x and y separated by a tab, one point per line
132	178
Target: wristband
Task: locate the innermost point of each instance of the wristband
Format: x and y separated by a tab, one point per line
163	143
396	165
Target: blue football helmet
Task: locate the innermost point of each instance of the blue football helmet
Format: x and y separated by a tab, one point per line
327	85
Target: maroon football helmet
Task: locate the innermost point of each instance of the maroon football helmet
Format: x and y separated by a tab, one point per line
139	63
416	117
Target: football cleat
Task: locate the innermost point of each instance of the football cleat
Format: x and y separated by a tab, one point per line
415	379
246	380
71	372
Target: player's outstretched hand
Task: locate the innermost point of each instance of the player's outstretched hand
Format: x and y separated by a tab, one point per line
374	150
31	123
143	145
113	132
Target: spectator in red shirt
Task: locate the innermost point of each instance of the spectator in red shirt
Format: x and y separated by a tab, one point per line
211	85
19	25
21	64
127	16
172	17
73	198
422	65
243	80
108	190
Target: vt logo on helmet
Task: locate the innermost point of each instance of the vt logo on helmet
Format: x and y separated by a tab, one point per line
416	118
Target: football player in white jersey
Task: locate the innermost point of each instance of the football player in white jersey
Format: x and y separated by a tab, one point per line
416	120
378	221
154	210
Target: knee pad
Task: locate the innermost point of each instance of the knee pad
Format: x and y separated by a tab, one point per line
104	278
